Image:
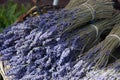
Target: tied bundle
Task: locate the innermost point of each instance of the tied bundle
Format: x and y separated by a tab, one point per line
101	53
27	48
81	40
74	3
35	48
108	46
90	10
76	17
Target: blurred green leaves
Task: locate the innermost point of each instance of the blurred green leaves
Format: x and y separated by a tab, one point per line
9	13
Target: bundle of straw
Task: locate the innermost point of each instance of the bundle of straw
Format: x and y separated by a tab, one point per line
100	54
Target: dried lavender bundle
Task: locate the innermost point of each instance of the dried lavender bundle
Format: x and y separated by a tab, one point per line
90	10
79	42
83	38
48	46
84	13
84	69
109	45
30	48
74	3
100	54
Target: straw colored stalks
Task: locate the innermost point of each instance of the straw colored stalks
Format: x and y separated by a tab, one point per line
109	45
91	33
107	23
96	10
99	55
90	36
74	3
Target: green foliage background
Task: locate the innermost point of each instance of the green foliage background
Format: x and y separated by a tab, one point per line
9	13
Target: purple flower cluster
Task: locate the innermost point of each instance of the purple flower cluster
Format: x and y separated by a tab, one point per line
31	48
38	48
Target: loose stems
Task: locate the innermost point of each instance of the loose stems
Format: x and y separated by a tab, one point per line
112	72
